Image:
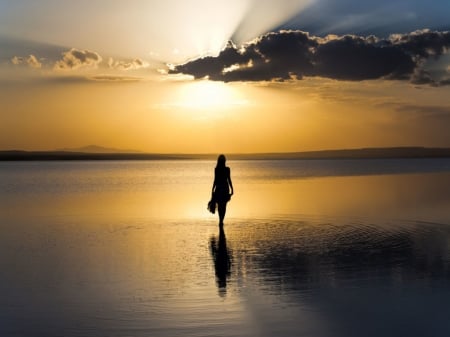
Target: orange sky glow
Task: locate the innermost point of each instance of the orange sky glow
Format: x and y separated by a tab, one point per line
136	84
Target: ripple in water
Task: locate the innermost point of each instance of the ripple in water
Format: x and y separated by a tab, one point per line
317	253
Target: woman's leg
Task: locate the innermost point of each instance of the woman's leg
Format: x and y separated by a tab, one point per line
222	208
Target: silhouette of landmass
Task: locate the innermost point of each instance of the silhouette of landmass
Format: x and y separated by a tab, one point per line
96	149
363	153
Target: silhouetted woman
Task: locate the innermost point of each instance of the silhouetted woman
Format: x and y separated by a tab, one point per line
221	187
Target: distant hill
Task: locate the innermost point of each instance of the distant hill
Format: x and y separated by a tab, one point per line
363	153
93	152
96	149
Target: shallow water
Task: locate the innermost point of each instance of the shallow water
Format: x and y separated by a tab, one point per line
310	248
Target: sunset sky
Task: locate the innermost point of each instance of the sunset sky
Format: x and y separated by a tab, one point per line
228	76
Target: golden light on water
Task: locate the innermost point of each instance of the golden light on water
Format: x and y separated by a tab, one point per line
126	245
325	196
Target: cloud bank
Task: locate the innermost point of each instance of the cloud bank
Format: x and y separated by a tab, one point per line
286	55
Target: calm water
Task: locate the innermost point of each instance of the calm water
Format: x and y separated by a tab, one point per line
310	248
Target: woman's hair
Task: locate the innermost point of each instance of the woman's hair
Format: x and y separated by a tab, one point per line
221	161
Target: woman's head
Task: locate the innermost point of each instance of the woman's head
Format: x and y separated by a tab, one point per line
221	161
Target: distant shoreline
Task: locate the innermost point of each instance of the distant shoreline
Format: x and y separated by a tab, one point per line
363	153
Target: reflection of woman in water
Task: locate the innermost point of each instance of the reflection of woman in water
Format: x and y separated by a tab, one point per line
222	260
221	187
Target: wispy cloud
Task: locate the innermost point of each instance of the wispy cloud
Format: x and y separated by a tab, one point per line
287	55
115	78
76	79
429	110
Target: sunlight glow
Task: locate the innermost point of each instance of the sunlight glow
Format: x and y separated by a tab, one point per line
188	33
207	96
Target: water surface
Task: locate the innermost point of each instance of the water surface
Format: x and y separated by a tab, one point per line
309	248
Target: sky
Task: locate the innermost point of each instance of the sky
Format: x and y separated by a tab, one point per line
231	76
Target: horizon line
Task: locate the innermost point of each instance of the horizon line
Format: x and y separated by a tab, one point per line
107	150
352	153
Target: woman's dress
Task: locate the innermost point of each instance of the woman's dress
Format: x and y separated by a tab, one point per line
221	177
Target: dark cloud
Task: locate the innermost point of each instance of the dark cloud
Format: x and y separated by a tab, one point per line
422	43
445	81
295	54
421	76
357	58
286	54
273	56
214	67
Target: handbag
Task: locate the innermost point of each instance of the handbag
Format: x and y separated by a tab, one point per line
212	206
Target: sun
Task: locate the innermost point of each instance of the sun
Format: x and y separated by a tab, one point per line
208	95
205	100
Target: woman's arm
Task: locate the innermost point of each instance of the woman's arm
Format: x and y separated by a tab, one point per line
229	181
214	184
